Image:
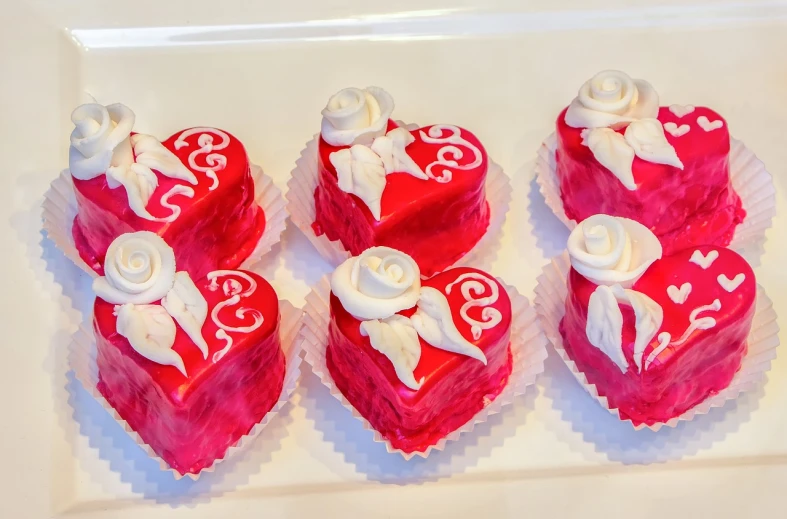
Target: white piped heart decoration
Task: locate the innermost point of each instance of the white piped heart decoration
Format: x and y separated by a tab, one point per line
704	261
680	110
679	295
731	284
675	130
707	125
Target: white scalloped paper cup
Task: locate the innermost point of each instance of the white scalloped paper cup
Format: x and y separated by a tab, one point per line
59	210
749	178
300	205
528	347
550	297
82	360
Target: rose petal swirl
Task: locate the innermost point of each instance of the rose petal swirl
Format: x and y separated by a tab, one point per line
139	268
377	284
609	250
612	99
355	116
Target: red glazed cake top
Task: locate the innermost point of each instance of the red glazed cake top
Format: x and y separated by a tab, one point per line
420	331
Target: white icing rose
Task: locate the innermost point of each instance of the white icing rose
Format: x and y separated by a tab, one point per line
139	268
355	116
100	139
609	250
612	99
377	284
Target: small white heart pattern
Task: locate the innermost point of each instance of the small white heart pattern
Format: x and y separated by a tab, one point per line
731	284
675	130
679	295
707	125
704	261
680	110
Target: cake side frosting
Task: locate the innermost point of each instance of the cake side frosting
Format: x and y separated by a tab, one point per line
428	367
191	366
405	189
666	167
675	335
195	189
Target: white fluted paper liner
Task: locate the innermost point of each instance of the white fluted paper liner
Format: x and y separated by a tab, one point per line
763	339
59	210
528	349
300	205
82	360
748	175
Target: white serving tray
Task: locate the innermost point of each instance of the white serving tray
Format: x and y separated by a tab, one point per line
264	70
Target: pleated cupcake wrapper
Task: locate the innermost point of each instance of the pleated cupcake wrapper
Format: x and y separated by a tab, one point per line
300	205
82	360
549	301
748	175
528	348
60	209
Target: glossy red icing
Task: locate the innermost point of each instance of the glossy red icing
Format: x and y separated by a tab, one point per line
455	387
681	376
216	229
191	422
435	223
684	208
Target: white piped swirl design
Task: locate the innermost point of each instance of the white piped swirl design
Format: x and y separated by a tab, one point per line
377	284
612	99
355	116
609	250
139	268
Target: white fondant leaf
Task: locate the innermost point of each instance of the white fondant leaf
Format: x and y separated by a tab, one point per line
361	172
186	304
648	314
139	182
396	338
613	152
435	323
151	332
151	153
646	137
391	149
604	327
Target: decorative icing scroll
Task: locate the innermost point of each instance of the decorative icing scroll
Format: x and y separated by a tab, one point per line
609	250
695	323
448	155
214	161
473	285
140	277
234	290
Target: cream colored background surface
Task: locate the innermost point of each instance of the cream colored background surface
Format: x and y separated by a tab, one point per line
264	72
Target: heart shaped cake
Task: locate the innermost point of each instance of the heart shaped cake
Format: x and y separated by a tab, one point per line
619	153
420	191
656	335
190	366
417	359
195	190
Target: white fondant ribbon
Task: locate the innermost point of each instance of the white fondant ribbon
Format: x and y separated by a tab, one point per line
612	99
355	116
609	250
377	284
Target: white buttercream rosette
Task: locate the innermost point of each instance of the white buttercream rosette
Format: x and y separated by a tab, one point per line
356	116
98	131
377	284
610	99
609	250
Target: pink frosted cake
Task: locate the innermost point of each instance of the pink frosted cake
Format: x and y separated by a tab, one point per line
620	153
191	366
656	335
421	191
195	190
417	360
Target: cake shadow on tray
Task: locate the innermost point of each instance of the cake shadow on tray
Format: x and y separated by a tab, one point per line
347	435
135	467
620	442
550	233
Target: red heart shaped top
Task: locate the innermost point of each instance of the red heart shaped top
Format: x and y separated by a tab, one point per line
435	364
255	308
